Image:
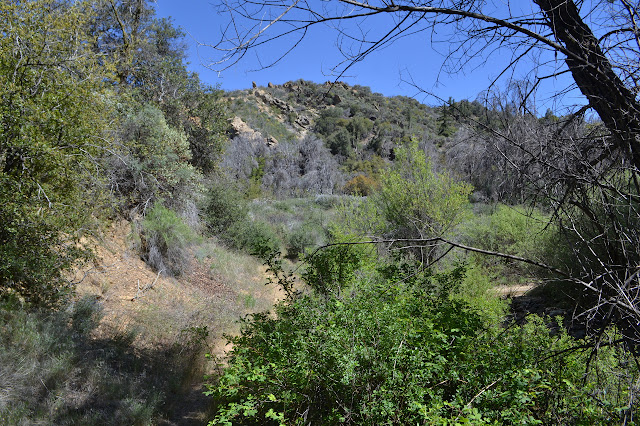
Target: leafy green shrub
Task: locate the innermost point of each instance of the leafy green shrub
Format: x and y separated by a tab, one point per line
397	349
226	215
413	202
223	207
333	269
329	121
156	164
254	182
206	125
477	288
327	201
254	237
299	240
35	255
340	142
511	230
165	240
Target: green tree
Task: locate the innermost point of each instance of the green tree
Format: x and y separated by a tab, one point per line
156	163
52	117
413	202
445	119
206	126
359	127
121	31
147	56
340	142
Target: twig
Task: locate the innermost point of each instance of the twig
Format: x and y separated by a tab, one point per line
141	291
483	390
454	244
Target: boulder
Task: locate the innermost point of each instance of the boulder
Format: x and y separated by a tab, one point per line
303	121
271	141
239	127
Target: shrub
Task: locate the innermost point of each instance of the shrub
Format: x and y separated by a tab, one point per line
254	237
35	256
340	142
397	349
334	269
327	201
299	240
360	185
155	164
223	207
206	133
413	202
511	230
165	240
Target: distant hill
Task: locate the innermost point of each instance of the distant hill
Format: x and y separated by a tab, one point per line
357	128
354	122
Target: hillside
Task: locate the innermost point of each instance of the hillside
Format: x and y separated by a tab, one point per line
354	122
300	254
305	138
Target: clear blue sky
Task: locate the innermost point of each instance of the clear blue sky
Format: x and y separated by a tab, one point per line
383	71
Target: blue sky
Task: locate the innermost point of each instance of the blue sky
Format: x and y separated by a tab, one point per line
383	71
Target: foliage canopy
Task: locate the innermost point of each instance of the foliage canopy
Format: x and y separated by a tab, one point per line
395	347
52	114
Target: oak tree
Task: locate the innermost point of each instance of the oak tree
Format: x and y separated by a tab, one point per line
53	110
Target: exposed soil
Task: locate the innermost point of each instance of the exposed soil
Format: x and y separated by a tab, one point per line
130	294
528	299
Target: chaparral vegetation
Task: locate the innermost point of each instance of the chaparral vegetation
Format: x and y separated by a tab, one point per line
316	253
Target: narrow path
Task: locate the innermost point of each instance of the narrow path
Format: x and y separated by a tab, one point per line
189	408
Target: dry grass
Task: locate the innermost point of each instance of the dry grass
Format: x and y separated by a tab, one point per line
214	293
142	360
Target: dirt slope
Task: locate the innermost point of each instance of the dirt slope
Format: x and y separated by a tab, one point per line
159	311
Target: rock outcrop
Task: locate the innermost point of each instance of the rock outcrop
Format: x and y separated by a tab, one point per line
239	127
271	141
301	120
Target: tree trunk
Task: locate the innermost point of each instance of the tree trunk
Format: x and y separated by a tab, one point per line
610	98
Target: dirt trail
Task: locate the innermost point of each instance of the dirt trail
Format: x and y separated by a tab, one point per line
511	291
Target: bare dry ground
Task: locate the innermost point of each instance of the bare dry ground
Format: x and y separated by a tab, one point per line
159	311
